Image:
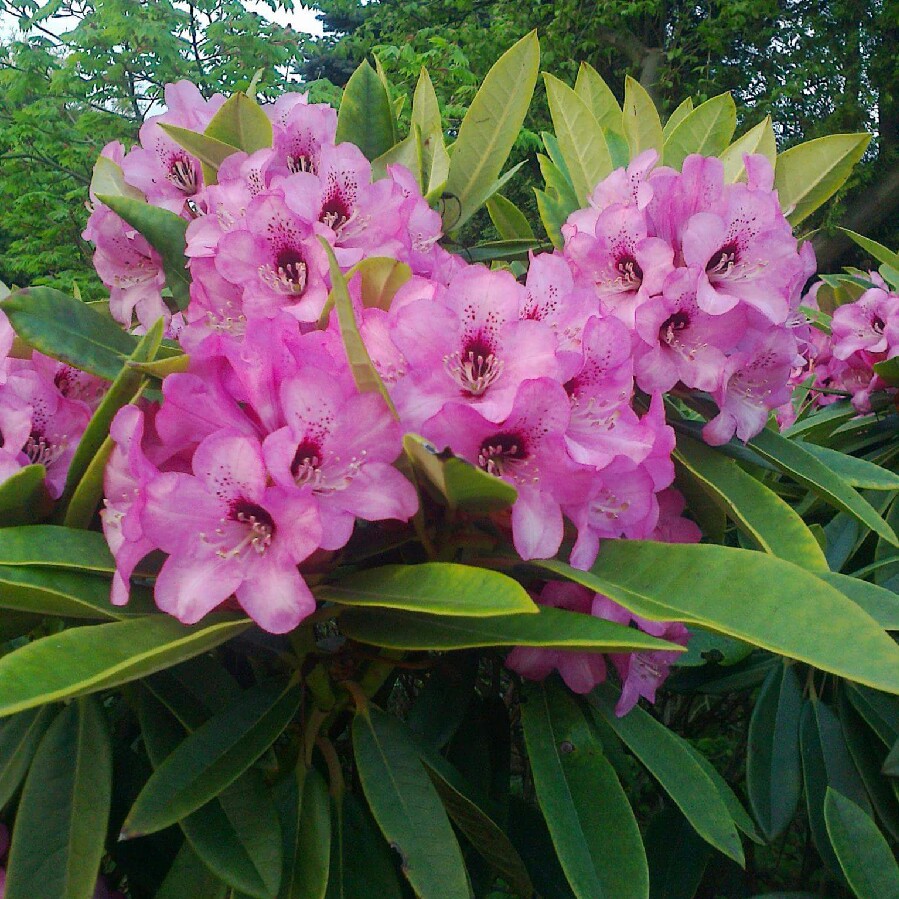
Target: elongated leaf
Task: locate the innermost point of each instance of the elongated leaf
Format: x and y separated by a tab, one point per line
811	173
47	545
760	513
598	96
86	659
684	108
877	250
109	179
426	107
811	472
162	367
854	471
210	151
491	125
553	213
19	739
126	388
212	758
87	495
408	152
440	588
759	139
458	482
551	627
188	876
752	596
667	758
69	330
241	122
580	138
366	116
881	604
24	497
773	768
306	827
864	855
407	807
483	833
879	711
508	219
591	822
236	835
707	130
642	127
677	856
165	232
57	843
815	781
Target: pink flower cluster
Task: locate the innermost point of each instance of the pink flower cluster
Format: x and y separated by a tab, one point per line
44	408
863	333
706	276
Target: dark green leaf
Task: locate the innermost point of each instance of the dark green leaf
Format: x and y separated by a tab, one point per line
19	739
508	219
46	545
241	123
24	497
440	707
880	711
677	856
855	472
188	876
306	827
366	117
60	828
587	812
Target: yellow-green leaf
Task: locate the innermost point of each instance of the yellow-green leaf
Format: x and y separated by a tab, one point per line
598	96
759	139
676	117
642	126
241	123
707	130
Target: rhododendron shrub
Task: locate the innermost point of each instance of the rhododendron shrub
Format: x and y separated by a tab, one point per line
324	496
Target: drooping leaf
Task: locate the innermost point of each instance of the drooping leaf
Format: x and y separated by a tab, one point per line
809	174
773	769
508	219
306	828
752	596
86	659
811	472
490	127
165	232
212	758
881	712
580	138
57	843
439	588
760	513
589	817
759	139
864	855
665	755
707	130
19	739
407	807
642	126
24	497
366	117
241	122
551	627
68	330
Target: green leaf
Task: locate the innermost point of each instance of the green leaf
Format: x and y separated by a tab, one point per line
864	855
881	712
809	174
666	756
580	137
381	278
19	739
86	496
589	817
109	179
684	108
86	659
508	219
811	472
642	126
210	151
306	827
439	588
677	856
491	125
483	833
407	807
188	876
554	628
752	596
881	604
598	96
366	117
553	213
47	545
408	152
165	232
854	471
759	139
69	330
241	123
773	768
57	842
160	368
706	130
760	513
458	482
364	373
888	370
24	497
236	835
126	388
426	109
500	249
212	758
877	250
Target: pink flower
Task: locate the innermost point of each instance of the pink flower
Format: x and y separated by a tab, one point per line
226	532
867	324
339	444
301	131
